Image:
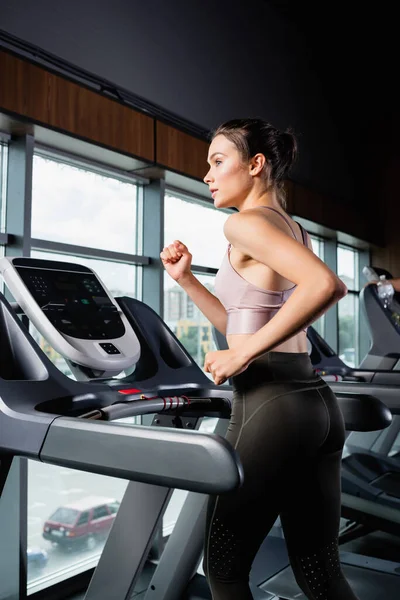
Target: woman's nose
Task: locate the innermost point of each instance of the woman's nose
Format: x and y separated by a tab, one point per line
207	178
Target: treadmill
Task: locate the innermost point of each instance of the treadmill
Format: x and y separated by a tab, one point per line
370	492
383	321
370	467
46	416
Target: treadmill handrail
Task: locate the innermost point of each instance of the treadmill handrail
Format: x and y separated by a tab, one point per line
176	458
363	412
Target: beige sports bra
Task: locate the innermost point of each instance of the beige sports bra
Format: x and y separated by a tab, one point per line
249	307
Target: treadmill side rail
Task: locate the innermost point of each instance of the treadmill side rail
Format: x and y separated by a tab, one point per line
174	458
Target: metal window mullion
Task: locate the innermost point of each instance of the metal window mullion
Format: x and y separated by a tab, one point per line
204	270
153	243
19	195
108	255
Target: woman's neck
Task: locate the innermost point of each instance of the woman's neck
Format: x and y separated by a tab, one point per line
253	200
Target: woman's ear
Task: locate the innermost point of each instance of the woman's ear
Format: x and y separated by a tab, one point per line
257	164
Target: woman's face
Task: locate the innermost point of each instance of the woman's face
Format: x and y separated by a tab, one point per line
229	177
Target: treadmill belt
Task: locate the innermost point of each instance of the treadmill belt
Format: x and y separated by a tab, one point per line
366	584
389	483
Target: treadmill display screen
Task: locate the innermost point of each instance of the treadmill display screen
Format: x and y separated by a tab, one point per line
75	303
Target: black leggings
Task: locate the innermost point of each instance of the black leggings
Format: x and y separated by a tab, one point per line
289	433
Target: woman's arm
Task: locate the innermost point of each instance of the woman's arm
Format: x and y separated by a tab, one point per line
318	288
207	303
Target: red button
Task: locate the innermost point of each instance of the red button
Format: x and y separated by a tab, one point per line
130	391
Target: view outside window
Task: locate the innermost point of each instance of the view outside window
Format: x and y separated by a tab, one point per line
348	307
318	249
3	181
199	227
185	320
3	184
70	512
81	207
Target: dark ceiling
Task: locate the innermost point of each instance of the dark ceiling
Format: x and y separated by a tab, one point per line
353	51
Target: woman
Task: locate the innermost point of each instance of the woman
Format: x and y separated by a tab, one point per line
286	424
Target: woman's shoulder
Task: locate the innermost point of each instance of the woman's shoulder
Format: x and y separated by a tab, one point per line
250	222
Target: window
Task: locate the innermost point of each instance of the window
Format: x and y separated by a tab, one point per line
318	249
113	507
200	227
318	246
197	225
1	278
50	488
100	214
3	184
83	519
67	516
74	205
186	321
348	307
99	512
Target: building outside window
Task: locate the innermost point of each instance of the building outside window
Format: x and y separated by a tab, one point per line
200	227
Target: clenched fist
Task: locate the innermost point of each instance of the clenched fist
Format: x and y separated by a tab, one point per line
176	259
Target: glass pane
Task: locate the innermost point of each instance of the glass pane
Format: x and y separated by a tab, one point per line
348	329
197	226
61	505
77	206
1	278
3	184
319	325
346	267
119	278
317	246
178	497
183	317
318	249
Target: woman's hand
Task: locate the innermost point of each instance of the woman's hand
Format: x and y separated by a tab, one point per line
223	364
177	260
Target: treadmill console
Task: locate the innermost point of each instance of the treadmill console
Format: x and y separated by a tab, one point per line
74	311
